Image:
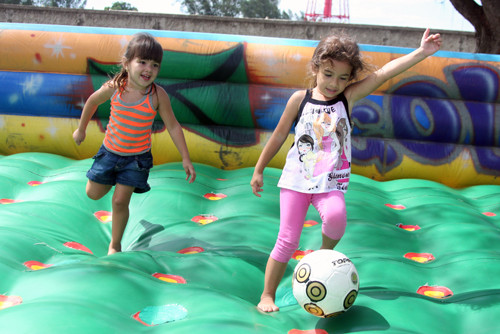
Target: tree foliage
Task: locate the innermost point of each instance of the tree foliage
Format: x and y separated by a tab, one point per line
18	2
235	8
212	7
121	6
48	3
61	3
485	18
260	9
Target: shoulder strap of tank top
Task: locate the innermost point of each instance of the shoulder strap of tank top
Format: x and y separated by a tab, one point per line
115	94
346	105
301	107
151	93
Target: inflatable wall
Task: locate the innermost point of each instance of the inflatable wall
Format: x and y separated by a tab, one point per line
438	121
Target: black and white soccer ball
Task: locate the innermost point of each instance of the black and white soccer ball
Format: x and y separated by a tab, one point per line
325	283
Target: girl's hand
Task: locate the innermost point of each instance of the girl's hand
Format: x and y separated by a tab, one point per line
257	183
190	173
79	136
430	44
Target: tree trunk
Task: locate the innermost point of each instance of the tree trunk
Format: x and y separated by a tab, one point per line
485	20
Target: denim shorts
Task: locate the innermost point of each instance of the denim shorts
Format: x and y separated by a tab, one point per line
110	168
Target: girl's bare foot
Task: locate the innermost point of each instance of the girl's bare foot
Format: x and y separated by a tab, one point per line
267	304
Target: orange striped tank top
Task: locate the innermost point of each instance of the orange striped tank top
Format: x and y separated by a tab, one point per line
129	128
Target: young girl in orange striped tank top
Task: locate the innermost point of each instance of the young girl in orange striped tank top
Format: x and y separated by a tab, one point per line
124	159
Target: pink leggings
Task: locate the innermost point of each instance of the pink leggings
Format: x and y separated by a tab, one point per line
293	210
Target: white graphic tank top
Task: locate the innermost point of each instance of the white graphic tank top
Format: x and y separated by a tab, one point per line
319	161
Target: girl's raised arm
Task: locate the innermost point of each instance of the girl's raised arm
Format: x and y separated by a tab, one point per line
358	90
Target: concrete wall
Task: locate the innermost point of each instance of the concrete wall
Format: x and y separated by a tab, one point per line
364	34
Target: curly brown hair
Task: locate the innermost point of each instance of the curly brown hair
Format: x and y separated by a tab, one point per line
142	45
336	47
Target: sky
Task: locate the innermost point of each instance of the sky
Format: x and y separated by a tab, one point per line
435	14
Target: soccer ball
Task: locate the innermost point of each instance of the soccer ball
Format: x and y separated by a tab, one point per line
325	283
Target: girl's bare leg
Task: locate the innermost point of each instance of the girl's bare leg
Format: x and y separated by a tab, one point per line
119	216
274	273
328	243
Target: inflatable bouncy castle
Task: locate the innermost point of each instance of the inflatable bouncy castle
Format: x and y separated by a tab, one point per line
423	204
437	121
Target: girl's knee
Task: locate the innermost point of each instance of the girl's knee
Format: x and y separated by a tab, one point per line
121	196
94	195
96	191
120	202
334	214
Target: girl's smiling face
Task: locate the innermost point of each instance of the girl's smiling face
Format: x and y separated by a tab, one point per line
142	72
332	78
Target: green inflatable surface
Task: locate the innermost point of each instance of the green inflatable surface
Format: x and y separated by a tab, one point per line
427	255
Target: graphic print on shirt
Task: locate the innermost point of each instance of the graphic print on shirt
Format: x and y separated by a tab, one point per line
343	163
305	145
320	159
323	149
328	144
